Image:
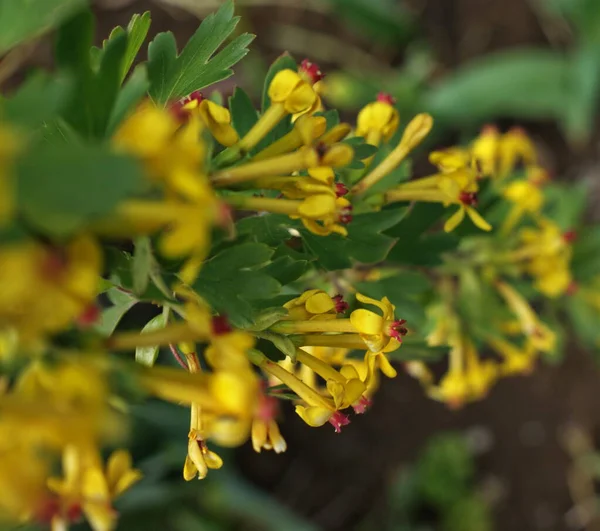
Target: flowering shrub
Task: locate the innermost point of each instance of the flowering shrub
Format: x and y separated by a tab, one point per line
288	255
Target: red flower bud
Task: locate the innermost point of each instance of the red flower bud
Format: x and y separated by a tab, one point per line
468	198
340	304
220	325
311	71
340	189
384	97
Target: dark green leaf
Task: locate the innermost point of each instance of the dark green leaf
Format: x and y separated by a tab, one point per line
131	93
22	20
59	188
285	269
233	278
417	350
365	243
172	76
141	264
38	100
271	229
243	113
110	317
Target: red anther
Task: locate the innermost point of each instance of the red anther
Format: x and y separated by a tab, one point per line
89	316
340	189
220	325
176	108
570	236
468	198
311	70
384	97
572	288
362	405
194	96
345	216
340	304
337	420
489	129
397	330
48	509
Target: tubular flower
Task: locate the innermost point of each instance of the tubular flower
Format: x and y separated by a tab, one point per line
457	187
314	409
318	181
515	360
88	489
265	432
216	118
290	92
199	458
378	120
314	304
44	288
526	198
379	332
414	133
540	335
305	131
484	150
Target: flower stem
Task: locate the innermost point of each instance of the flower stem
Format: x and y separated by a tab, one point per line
317	325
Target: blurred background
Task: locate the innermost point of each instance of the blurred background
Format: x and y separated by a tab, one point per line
525	458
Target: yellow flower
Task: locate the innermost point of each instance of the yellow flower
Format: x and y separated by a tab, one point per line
305	131
515	360
290	92
541	335
378	120
265	432
484	150
451	159
379	332
199	458
88	488
515	146
217	120
44	288
314	304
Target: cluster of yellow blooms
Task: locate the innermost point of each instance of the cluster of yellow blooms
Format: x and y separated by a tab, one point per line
61	405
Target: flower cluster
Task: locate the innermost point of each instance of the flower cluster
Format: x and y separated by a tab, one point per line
261	241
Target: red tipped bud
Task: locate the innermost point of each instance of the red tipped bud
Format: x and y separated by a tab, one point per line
468	198
384	97
177	108
310	71
337	420
220	325
340	304
570	236
340	189
397	330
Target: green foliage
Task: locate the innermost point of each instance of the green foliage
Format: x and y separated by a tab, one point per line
147	355
173	76
23	20
54	195
365	242
234	278
243	113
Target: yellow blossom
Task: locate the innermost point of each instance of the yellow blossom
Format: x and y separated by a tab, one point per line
217	120
526	198
484	150
378	120
265	431
312	304
44	288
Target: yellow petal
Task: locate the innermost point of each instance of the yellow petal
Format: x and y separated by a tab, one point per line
367	322
317	206
301	99
320	303
213	461
259	435
386	366
455	219
283	84
314	416
336	390
322	174
478	220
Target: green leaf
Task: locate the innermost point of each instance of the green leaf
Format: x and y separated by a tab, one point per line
283	343
531	83
417	350
38	100
23	20
286	269
147	355
235	277
137	29
586	255
566	203
61	187
131	93
364	244
141	264
172	76
243	113
271	229
90	108
111	317
584	320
